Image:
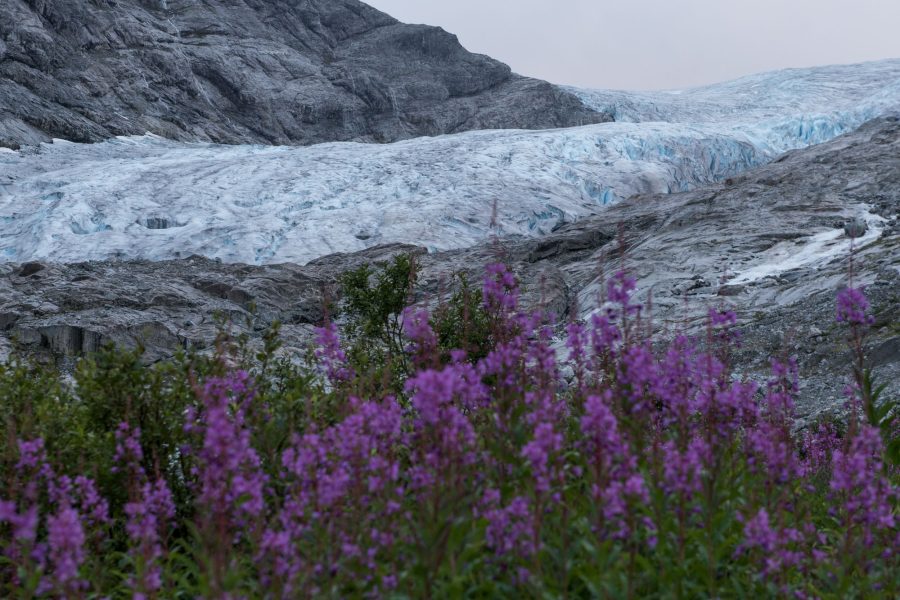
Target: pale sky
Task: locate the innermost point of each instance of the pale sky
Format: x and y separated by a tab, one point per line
661	44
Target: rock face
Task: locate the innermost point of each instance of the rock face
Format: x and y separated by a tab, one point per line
770	244
251	71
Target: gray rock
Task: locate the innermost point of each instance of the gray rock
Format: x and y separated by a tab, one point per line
855	228
731	290
246	71
30	268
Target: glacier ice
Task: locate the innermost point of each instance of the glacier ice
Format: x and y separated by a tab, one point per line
146	197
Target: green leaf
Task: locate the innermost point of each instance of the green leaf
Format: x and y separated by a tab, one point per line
893	451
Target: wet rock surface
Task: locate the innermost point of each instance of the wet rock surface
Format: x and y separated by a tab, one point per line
769	244
251	71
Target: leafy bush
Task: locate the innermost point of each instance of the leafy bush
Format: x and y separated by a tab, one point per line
651	471
463	323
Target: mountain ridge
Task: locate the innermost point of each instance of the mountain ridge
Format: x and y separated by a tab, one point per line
252	71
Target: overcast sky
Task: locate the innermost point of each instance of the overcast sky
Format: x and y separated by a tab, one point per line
661	44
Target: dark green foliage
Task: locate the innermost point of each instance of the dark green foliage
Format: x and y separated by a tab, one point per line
33	403
463	323
881	412
374	302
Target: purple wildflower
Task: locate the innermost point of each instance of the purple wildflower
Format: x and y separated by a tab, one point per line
683	470
818	446
331	355
540	453
616	483
336	477
31	455
128	448
65	539
418	331
148	517
446	435
500	291
509	528
619	289
859	483
779	549
231	482
853	307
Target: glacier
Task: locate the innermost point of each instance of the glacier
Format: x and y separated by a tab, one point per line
150	198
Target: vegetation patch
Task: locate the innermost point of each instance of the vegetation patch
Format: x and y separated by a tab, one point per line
449	453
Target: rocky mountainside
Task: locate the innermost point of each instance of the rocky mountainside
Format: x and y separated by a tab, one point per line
251	71
773	243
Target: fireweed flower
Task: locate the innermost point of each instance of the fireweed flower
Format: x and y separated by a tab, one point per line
782	388
80	515
853	307
576	343
128	449
229	478
541	357
675	388
547	418
722	317
777	549
506	362
770	444
436	391
148	516
509	531
724	406
619	290
524	360
331	355
605	333
337	477
772	453
637	372
616	484
65	540
32	469
417	329
24	525
149	512
601	430
540	453
683	470
31	455
500	289
81	494
818	446
444	436
859	484
722	324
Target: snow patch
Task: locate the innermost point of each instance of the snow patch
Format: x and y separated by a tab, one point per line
819	249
